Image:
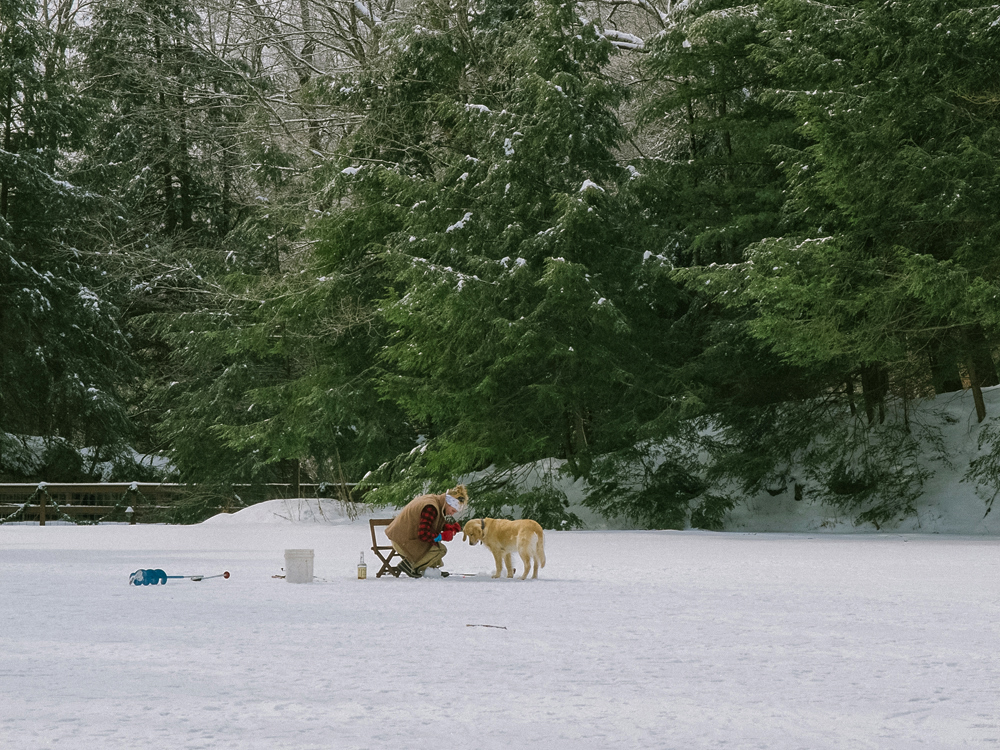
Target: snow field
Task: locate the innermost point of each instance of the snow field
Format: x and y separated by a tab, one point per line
628	639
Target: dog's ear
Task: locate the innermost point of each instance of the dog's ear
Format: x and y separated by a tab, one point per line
470	532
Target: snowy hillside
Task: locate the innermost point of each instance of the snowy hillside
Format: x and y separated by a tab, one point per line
947	506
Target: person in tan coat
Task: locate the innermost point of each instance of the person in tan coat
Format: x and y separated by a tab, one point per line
418	531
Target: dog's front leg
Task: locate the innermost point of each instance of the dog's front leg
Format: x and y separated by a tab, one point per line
510	568
499	562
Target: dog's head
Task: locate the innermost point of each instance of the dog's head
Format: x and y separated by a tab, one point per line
474	531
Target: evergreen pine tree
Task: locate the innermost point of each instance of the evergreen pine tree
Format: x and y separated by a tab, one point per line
893	198
63	357
710	188
274	387
712	132
199	191
877	277
164	143
485	191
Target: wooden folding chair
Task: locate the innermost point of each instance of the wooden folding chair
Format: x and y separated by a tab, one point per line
383	551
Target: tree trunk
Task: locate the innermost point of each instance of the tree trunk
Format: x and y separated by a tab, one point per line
690	118
943	360
166	168
977	391
875	386
184	168
982	354
975	378
7	128
305	75
577	450
295	471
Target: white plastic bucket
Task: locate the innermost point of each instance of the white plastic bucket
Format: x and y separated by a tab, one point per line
299	565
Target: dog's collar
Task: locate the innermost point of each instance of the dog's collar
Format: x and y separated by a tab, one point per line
482	524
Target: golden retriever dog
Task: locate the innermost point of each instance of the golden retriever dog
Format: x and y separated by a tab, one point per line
503	538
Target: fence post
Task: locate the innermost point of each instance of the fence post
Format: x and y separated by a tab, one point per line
41	507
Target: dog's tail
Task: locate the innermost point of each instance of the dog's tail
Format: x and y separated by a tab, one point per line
540	549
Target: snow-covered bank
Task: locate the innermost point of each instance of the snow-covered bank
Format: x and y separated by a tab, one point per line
629	639
948	505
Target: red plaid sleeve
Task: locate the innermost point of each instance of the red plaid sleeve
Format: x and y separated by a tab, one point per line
425	532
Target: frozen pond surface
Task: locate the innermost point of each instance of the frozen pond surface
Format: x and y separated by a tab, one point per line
628	639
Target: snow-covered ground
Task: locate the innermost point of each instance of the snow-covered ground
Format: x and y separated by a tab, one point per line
629	639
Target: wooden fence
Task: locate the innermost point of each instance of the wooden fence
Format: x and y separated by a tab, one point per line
146	501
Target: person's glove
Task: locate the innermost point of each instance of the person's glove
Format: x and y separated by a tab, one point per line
449	531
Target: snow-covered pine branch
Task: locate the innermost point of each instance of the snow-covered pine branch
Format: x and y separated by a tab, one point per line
621	40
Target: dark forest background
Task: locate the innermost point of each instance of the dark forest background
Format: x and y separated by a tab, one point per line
690	250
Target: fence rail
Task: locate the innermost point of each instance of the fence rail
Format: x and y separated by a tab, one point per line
145	501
